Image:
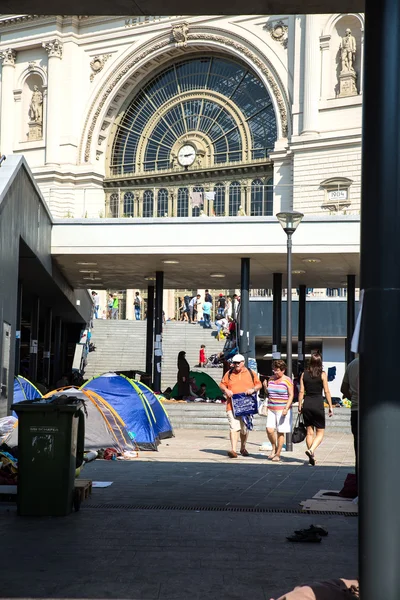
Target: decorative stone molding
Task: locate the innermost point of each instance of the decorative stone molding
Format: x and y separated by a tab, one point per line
337	192
54	48
272	79
8	57
278	31
97	64
180	35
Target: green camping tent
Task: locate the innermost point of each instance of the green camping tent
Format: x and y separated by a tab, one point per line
212	387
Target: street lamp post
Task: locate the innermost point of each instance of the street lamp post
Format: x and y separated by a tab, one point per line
289	222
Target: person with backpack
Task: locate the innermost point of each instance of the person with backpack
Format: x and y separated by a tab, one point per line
238	380
137	303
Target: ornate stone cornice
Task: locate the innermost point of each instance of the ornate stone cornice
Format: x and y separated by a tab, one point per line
191	36
53	48
8	57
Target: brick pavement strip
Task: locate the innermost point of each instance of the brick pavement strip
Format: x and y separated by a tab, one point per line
181	554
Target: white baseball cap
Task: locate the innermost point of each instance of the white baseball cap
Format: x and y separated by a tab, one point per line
238	358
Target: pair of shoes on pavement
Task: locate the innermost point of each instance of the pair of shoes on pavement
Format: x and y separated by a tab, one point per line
233	454
311	535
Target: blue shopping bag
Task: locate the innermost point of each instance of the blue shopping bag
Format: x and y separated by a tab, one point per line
244	405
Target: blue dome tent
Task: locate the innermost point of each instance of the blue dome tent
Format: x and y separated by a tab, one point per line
131	404
162	425
24	390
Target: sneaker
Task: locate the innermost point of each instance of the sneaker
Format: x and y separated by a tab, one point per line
232	454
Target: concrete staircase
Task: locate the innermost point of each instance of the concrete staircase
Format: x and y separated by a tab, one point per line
121	346
200	415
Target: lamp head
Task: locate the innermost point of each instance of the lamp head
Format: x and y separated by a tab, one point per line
289	220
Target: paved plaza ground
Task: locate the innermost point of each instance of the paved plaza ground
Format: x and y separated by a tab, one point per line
186	541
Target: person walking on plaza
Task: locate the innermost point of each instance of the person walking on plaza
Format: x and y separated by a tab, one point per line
137	303
238	380
311	403
193	309
279	389
207	306
181	309
115	307
183	376
110	305
349	390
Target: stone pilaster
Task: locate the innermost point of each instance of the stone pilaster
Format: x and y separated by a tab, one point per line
311	76
8	58
54	51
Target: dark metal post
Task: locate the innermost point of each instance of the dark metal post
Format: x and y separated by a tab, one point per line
289	445
244	333
149	330
47	346
34	340
351	310
277	314
301	342
18	330
57	349
379	412
158	331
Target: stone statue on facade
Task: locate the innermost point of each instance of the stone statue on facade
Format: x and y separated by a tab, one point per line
347	75
36	106
36	115
348	51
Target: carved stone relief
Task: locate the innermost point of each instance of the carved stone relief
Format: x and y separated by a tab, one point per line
8	57
180	35
278	31
97	64
54	48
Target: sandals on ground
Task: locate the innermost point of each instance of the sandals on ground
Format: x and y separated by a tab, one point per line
311	457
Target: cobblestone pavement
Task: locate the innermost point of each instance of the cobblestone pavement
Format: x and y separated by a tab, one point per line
177	554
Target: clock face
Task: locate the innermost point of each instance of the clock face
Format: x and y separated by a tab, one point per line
186	155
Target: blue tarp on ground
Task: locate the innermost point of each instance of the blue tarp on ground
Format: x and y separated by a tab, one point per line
131	404
162	425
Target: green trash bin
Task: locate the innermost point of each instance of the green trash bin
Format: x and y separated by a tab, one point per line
50	449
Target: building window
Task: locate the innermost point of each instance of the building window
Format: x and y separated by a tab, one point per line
196	209
257	198
219	200
234	198
269	198
148	201
183	202
162	203
128	204
114	205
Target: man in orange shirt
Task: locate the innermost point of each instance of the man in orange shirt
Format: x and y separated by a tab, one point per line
239	380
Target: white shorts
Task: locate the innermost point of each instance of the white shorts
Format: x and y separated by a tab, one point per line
236	424
276	420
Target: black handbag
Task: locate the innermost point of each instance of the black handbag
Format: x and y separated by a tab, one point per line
299	430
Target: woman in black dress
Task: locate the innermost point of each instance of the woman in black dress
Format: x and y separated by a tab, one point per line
312	382
183	376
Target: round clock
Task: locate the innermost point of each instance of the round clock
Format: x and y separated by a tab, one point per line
187	155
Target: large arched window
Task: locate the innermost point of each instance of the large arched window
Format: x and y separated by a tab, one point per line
114	205
234	198
257	198
196	209
183	202
148	203
128	204
162	203
218	100
219	200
